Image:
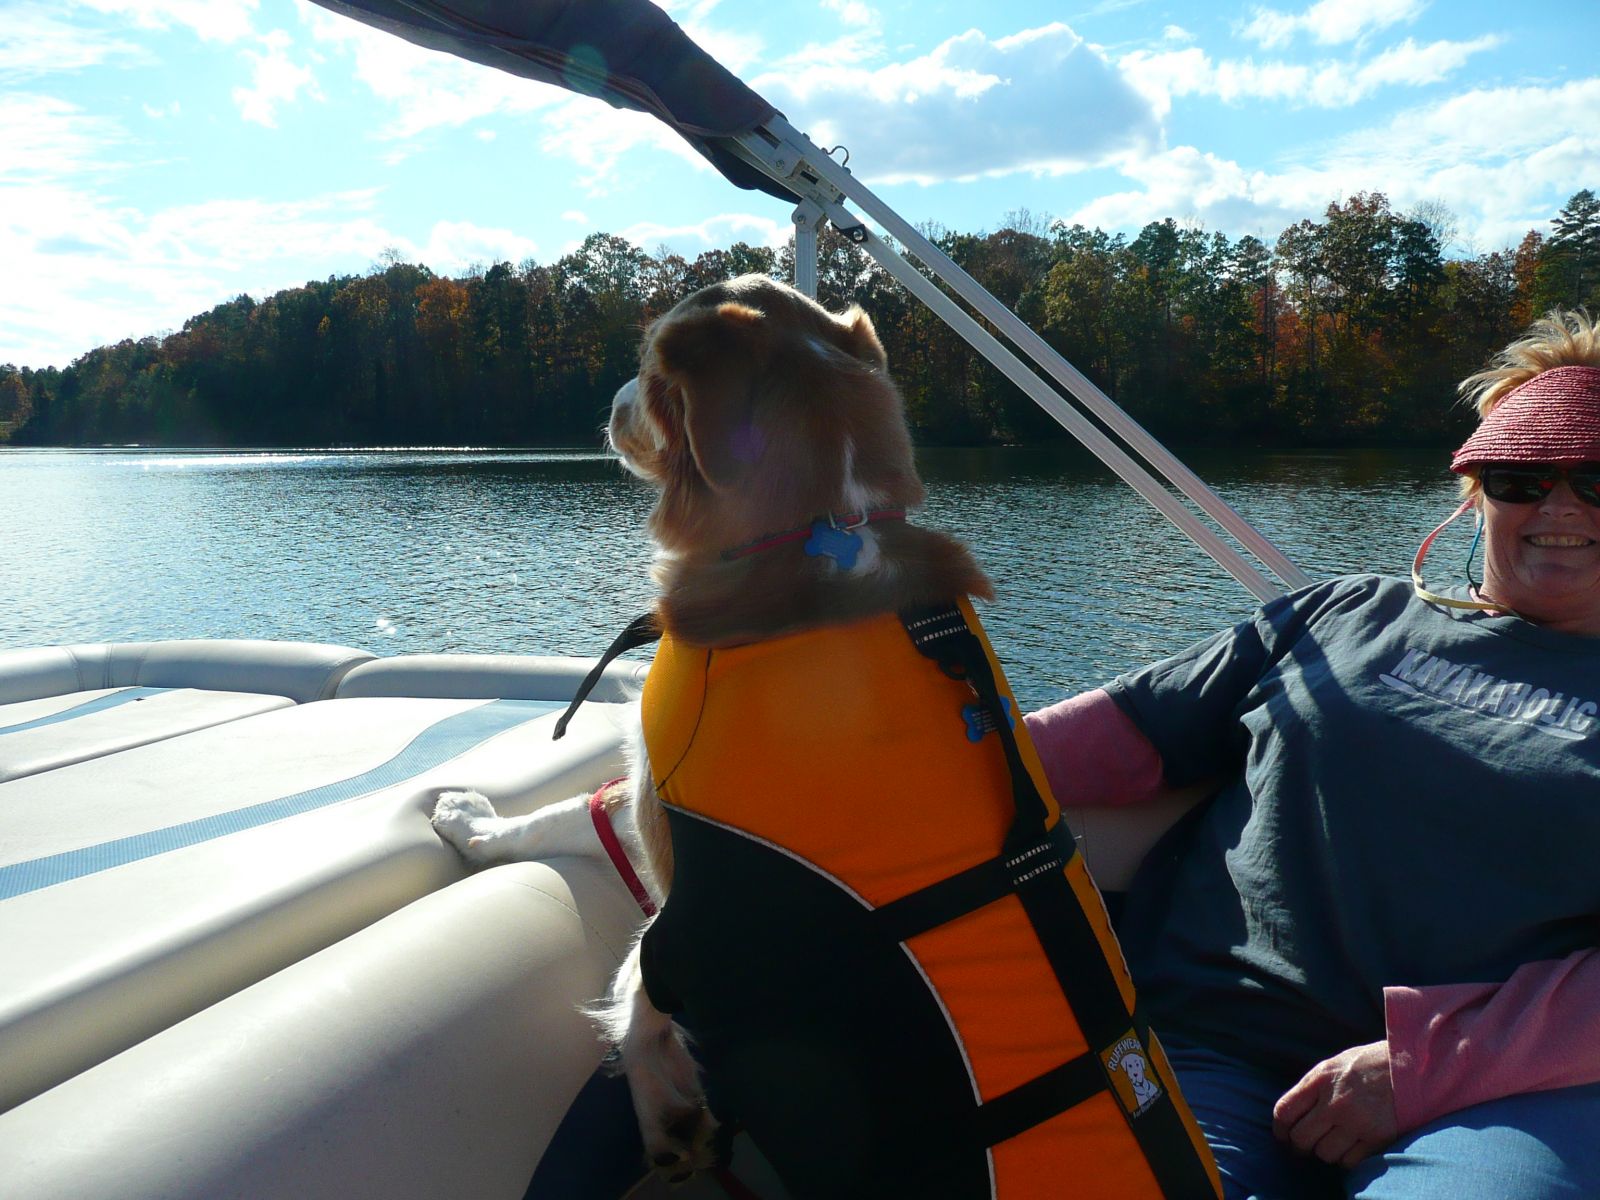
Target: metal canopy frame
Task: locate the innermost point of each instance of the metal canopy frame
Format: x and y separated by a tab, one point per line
781	151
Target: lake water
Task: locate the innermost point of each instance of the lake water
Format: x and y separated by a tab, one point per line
542	552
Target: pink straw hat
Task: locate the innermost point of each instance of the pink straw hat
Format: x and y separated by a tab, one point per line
1553	418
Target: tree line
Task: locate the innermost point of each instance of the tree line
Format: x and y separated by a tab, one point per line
1349	329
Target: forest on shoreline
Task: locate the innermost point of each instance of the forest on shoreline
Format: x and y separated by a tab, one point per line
1345	331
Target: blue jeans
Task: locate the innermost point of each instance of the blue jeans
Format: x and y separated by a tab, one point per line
1537	1146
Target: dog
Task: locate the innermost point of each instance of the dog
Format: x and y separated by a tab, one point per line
753	410
792	705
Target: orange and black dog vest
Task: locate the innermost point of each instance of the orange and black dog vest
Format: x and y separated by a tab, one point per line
894	966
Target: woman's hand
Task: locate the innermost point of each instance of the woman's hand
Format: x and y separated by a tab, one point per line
1343	1110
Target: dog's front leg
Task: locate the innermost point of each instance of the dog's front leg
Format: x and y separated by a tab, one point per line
469	823
653	1053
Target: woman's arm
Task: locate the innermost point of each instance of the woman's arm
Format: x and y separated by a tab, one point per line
1456	1045
1093	753
1448	1048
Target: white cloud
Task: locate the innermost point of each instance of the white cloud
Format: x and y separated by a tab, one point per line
453	246
1162	75
210	20
1329	22
98	271
1490	155
1176	33
861	42
1187	183
426	89
1043	100
36	39
858	46
601	140
1413	65
232	235
721	230
1500	156
43	138
274	80
852	12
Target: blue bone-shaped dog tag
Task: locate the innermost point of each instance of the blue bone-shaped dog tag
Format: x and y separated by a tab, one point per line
828	541
979	722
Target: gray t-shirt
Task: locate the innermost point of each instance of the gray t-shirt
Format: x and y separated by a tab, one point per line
1410	795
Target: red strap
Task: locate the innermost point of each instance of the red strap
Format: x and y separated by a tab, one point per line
619	856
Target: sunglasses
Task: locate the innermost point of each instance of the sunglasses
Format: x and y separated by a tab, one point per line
1528	483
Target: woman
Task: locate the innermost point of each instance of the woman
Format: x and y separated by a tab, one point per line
1372	954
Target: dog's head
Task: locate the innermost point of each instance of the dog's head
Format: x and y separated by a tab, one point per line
755	410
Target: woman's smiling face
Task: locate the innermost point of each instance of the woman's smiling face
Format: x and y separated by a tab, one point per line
1542	560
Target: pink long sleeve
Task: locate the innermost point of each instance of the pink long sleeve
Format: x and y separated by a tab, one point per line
1462	1044
1093	754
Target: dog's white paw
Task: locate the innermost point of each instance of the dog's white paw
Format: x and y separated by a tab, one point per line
469	823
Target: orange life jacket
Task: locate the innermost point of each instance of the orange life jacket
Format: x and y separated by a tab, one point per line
894	990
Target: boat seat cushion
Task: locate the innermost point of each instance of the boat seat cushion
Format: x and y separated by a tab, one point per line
431	1054
64	704
139	887
484	676
299	671
56	731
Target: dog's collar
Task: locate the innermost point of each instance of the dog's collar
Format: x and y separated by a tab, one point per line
832	535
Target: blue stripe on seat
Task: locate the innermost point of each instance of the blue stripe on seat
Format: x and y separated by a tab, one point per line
437	744
99	704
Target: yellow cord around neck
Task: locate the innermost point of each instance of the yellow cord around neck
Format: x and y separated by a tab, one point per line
1448	602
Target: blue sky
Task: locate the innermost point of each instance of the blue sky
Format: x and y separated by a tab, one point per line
160	156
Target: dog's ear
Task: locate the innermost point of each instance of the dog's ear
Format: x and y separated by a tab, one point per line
864	343
710	355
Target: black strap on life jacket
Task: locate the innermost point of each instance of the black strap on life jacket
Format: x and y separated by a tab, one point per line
641	631
1031	866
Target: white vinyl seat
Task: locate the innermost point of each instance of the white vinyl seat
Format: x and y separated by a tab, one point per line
507	676
429	1055
57	731
64	704
139	887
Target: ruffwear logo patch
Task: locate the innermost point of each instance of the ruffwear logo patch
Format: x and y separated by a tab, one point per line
1555	714
1133	1077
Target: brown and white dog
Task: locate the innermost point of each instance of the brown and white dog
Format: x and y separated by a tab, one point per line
754	412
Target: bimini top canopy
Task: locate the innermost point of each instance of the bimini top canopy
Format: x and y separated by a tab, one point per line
626	52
